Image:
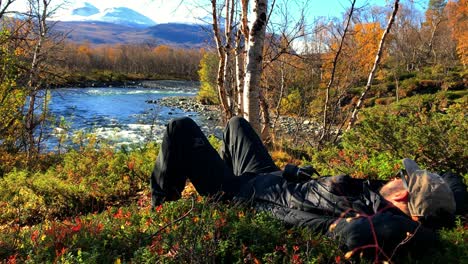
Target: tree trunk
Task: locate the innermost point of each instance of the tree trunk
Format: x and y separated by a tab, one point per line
254	65
227	78
282	88
397	87
241	54
228	31
40	12
221	67
378	56
265	132
332	77
240	59
435	26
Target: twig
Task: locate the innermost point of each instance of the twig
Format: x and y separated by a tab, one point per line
406	240
175	221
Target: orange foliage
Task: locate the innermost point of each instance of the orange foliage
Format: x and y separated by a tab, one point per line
163	50
457	16
367	37
84	49
137	59
358	54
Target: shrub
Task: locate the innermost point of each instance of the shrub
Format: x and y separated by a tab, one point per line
384	101
208	232
292	103
87	180
407	87
215	142
208	73
430	129
416	130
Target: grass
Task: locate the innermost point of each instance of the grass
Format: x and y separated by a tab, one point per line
195	229
47	223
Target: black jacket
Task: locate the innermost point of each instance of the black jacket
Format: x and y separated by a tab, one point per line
347	209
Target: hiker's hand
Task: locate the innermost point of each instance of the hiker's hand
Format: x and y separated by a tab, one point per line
294	173
309	170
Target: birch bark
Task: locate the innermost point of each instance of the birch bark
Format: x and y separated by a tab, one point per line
254	64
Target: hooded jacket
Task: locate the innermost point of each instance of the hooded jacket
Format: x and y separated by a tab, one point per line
346	209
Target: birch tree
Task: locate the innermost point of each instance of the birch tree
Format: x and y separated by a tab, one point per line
221	47
244	55
240	51
434	18
378	56
332	77
253	69
40	43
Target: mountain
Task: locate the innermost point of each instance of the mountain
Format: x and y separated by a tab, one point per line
86	11
180	33
117	15
126	16
122	25
174	34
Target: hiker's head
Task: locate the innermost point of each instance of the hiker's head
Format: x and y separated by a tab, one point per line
420	193
396	193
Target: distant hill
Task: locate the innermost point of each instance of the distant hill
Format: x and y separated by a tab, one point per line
117	15
122	25
181	33
174	34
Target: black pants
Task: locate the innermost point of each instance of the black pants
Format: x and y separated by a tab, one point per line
186	153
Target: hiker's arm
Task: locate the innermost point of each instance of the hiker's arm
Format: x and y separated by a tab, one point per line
318	223
385	230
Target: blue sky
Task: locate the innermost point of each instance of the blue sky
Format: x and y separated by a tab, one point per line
163	11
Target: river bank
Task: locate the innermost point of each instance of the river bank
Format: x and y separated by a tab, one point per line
209	116
143	83
211	120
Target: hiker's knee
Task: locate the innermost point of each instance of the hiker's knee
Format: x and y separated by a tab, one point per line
181	124
236	121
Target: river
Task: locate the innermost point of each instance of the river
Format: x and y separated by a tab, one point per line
119	115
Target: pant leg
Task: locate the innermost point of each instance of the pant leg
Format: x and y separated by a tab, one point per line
243	151
186	153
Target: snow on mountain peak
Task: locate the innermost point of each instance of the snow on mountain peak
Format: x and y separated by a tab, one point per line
86	10
116	15
127	16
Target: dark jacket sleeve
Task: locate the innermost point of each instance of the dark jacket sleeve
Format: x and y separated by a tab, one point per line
384	231
293	217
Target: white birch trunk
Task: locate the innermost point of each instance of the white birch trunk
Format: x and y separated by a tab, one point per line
228	31
240	58
241	52
378	56
254	65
